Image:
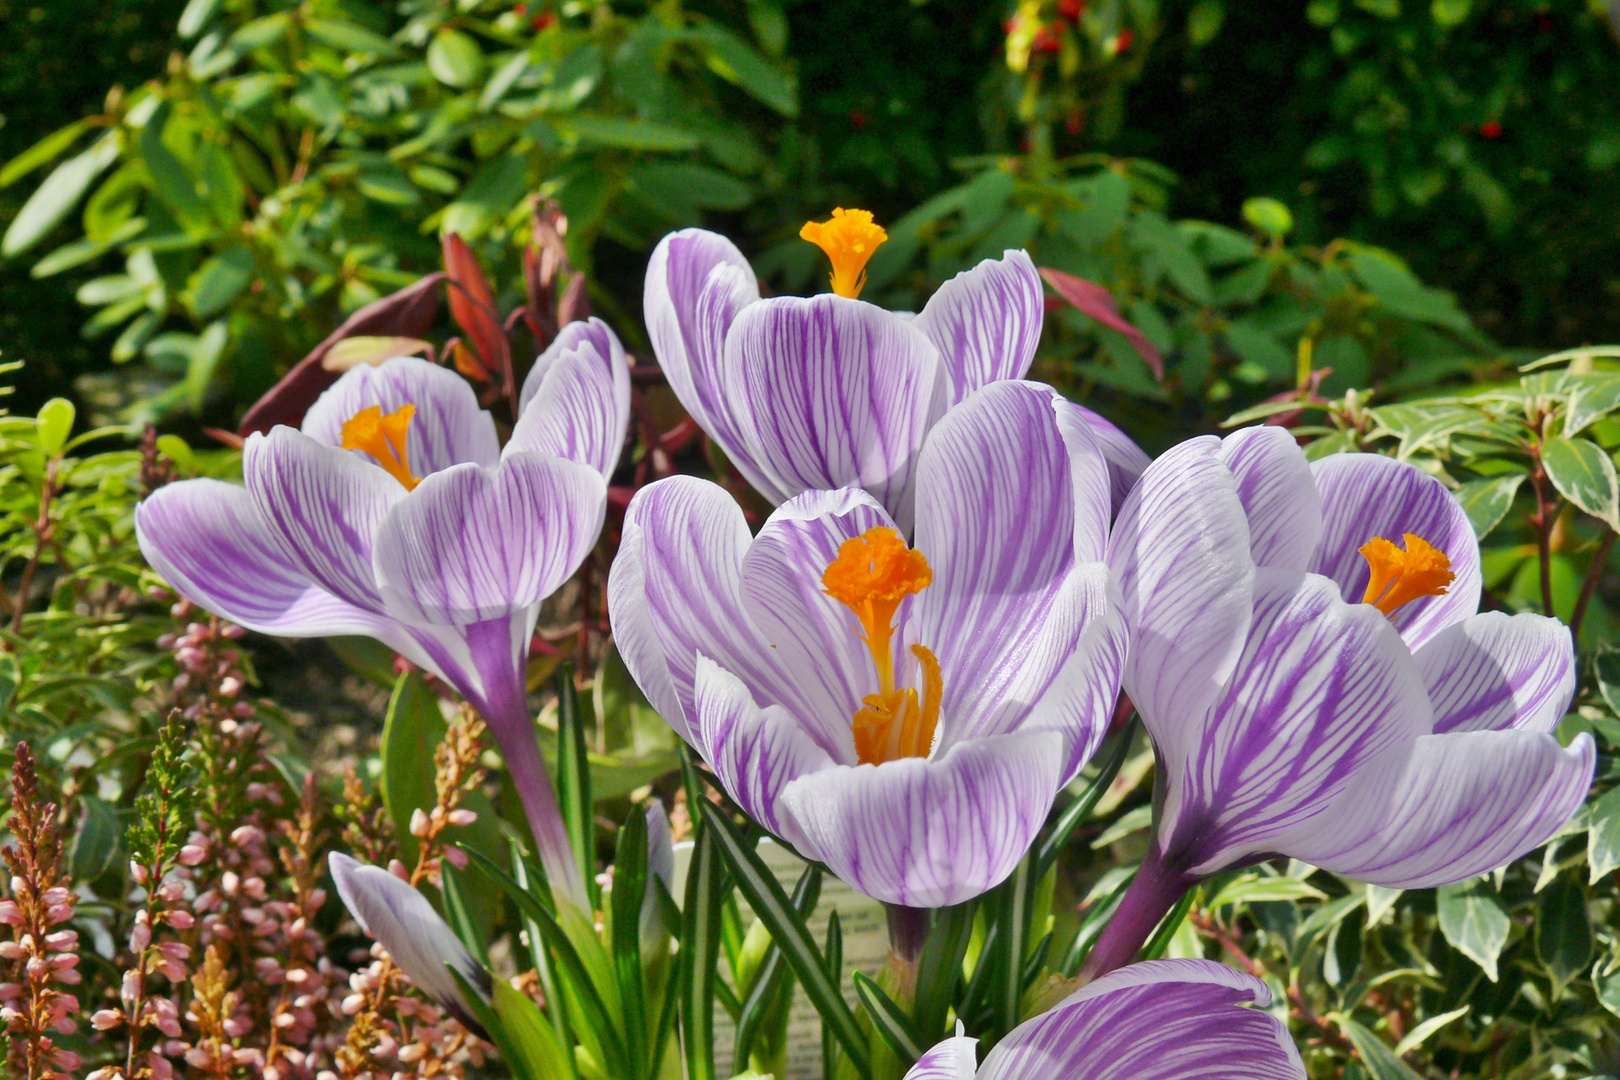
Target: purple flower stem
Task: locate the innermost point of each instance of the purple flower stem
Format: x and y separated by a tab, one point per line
1152	894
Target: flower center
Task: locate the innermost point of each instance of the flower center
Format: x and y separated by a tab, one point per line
872	573
383	437
849	240
1399	577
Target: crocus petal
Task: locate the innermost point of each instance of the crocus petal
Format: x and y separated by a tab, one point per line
1007	499
829	393
1126	461
1279	495
688	337
576	401
675	591
755	752
1368	495
324	505
1158	1020
1492	672
1180	552
929	833
1444	808
471	544
660	867
447	429
1322	688
207	540
986	322
815	640
955	1058
420	942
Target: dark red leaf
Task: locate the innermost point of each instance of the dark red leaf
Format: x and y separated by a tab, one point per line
407	313
472	305
574	305
1098	303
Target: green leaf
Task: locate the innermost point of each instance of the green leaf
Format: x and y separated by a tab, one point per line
491	1023
1603	836
760	888
1608	988
1261	348
455	59
734	60
940	967
1380	1061
574	778
348	37
1474	922
1593	395
41	152
1167	252
890	1020
173	182
1487	501
1268	216
205	357
630	134
529	1035
1584	475
59	194
700	951
629	890
488	196
1160	941
1046	852
196	17
54	424
98	841
219	281
1420	1034
765	986
459	916
1401	294
1564	931
1606	661
1254	888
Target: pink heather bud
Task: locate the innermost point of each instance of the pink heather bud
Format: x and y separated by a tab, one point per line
230	882
64	961
353	1004
10	913
254	887
66	1060
180	920
456	858
57	914
138	872
463	817
244	835
70	977
232	631
192	854
172	891
397	868
199	1059
297	976
173	970
237	1026
181	681
12	950
174	950
242	710
419	823
38	967
131	987
190	656
107	1019
228	727
230	686
140	937
161	1069
57	895
412	1053
62	939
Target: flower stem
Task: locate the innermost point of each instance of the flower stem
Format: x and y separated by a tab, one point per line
1594	574
1152	894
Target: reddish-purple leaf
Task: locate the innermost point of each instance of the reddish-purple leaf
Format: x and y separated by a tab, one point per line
1098	303
472	305
407	313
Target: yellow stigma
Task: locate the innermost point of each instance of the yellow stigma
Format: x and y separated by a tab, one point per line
849	240
1399	577
871	575
383	437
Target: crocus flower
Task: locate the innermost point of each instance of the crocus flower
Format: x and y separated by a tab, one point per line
904	715
421	944
830	391
1306	653
395	513
1158	1020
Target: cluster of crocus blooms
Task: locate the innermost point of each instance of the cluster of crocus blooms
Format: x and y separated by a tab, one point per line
927	639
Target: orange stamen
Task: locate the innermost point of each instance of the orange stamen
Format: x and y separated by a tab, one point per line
383	437
1399	577
872	574
849	240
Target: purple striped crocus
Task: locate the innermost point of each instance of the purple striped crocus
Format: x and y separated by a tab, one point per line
1159	1020
829	391
395	513
1306	653
903	714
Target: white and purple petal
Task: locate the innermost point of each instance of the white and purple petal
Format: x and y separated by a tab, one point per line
1180	552
829	393
1445	808
1368	495
1322	688
956	1058
447	429
986	322
1492	672
1126	461
929	832
576	401
1279	495
1157	1020
323	505
472	544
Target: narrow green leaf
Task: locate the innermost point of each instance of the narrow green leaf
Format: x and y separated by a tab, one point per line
486	1017
834	967
459	916
1564	931
1160	941
1091	928
98	840
196	17
1473	920
1376	1056
767	981
733	59
574	778
1009	907
1036	962
629	890
531	879
529	1036
1420	1034
46	150
1046	852
348	37
759	886
1584	475
54	199
974	998
940	967
219	281
630	134
1487	501
890	1020
700	951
